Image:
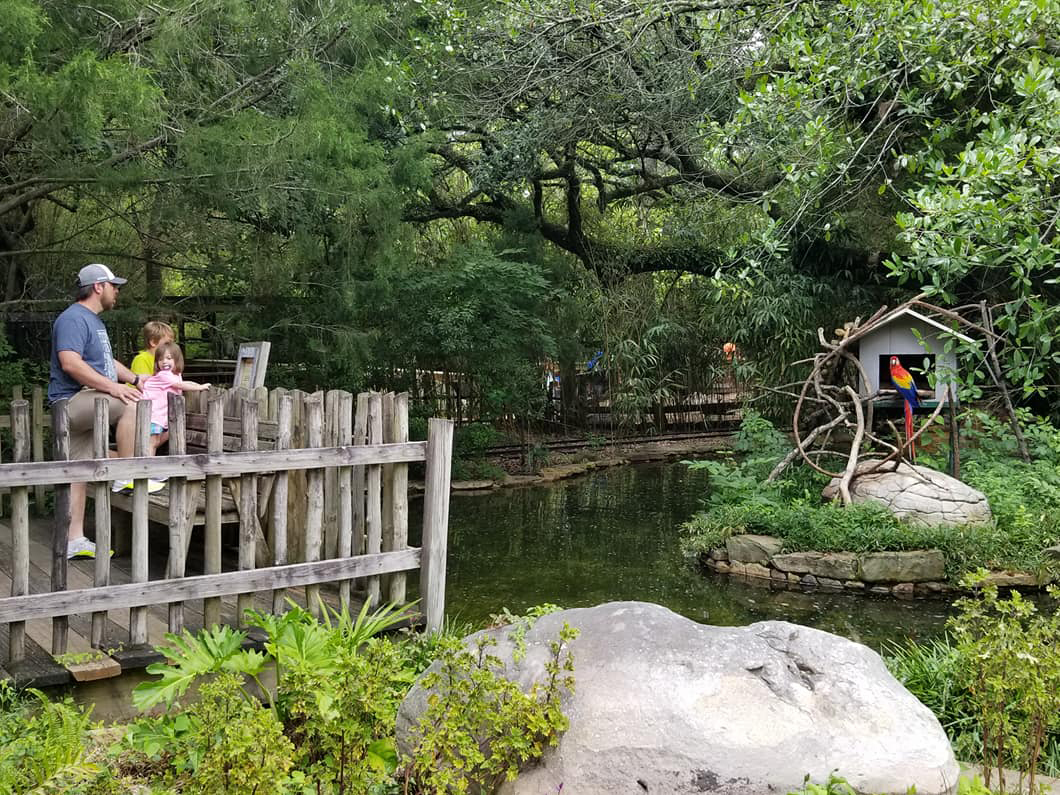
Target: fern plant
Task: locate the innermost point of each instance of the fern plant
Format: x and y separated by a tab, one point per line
42	744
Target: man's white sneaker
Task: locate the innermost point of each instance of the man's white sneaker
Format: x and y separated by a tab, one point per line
80	548
121	485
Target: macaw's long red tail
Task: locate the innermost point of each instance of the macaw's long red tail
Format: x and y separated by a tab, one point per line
909	430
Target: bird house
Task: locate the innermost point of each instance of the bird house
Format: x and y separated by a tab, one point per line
920	344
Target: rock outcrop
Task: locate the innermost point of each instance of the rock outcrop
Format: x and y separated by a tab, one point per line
918	495
665	705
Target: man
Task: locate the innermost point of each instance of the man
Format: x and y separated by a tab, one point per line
83	368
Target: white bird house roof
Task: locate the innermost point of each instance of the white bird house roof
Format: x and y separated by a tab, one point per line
911	314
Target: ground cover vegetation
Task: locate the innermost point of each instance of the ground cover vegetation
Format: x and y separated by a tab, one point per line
478	187
993	684
313	712
1024	498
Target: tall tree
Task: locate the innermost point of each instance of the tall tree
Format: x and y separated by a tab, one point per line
850	142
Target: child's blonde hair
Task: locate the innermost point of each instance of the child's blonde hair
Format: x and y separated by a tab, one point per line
174	349
155	331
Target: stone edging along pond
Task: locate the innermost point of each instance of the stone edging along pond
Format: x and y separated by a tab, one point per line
902	574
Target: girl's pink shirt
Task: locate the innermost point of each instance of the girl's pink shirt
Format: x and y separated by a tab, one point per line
156	388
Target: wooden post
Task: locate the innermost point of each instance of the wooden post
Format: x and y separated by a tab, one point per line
279	498
101	498
178	508
344	482
140	567
399	496
37	430
296	481
436	521
314	515
374	498
211	607
360	437
387	502
248	511
331	491
61	528
20	430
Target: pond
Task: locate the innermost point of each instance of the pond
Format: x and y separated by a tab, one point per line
614	535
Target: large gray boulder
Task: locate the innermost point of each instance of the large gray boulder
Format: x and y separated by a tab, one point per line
665	705
917	494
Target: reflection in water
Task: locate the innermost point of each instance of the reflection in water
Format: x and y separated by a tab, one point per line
614	536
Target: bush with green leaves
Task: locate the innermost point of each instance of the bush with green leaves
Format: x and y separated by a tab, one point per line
44	747
479	727
993	683
336	695
328	724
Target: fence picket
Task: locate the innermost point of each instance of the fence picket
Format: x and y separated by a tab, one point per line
178	499
398	497
37	426
101	497
279	498
140	557
314	514
248	506
436	521
20	430
211	607
374	481
344	482
61	527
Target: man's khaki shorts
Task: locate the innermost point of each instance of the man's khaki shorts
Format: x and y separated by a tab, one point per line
82	410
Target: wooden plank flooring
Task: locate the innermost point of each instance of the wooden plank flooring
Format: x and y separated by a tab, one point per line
40	668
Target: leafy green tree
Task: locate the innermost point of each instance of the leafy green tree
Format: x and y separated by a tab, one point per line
809	147
478	313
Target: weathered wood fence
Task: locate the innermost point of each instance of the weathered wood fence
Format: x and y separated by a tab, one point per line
321	485
38	420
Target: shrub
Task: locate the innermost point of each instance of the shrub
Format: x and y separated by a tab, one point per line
479	728
475	438
43	746
994	683
328	726
243	746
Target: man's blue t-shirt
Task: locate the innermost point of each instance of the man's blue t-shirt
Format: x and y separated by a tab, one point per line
80	330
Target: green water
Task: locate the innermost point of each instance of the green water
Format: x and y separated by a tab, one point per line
614	535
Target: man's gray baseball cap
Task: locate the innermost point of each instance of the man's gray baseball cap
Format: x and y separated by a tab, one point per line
97	274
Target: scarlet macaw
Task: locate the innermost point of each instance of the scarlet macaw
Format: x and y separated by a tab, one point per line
903	382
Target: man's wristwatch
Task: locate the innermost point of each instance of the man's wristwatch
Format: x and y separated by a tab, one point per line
136	381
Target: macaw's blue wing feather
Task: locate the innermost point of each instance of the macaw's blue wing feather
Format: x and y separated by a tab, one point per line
909	393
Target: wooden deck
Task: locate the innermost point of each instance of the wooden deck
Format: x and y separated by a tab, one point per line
40	669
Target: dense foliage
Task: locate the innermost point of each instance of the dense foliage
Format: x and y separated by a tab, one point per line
1024	499
43	746
371	185
327	725
993	683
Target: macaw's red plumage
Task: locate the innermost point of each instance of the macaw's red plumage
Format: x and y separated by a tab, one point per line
903	382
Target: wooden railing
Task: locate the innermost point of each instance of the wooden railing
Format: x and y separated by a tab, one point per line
360	476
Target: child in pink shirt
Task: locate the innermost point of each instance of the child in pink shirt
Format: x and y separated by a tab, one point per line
169	364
